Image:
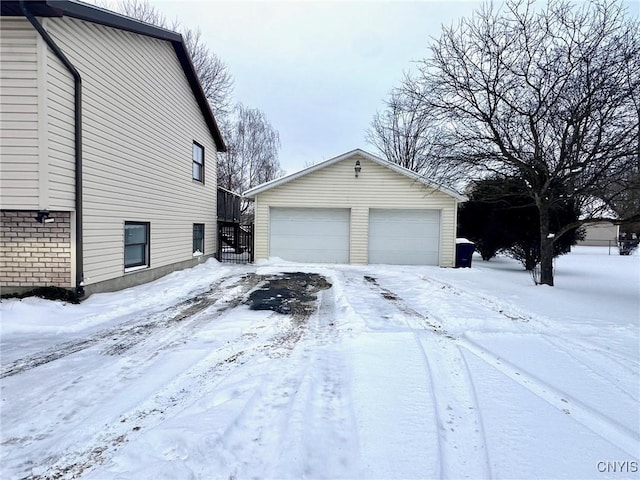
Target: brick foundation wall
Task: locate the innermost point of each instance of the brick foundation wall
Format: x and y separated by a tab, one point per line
34	254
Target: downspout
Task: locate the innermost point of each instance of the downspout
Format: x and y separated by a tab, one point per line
78	141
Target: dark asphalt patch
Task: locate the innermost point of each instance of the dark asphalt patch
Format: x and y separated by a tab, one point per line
289	293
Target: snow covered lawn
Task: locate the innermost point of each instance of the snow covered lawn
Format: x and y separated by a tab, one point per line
398	372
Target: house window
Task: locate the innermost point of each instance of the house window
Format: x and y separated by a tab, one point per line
197	156
198	239
136	245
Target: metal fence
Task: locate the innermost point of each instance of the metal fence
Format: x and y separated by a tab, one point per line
622	247
235	243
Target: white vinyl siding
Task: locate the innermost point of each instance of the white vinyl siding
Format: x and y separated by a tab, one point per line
404	237
19	122
335	186
311	235
140	119
60	114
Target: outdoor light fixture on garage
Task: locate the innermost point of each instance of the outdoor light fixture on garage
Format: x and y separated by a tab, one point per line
43	217
357	168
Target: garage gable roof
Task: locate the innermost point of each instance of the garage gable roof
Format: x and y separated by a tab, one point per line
94	14
353	153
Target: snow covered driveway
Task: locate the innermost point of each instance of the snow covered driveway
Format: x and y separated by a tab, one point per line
390	372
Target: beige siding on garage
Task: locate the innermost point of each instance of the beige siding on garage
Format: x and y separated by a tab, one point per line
359	234
335	186
139	121
19	122
600	234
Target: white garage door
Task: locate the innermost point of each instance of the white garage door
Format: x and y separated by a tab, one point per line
404	237
312	235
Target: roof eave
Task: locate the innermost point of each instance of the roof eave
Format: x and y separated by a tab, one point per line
94	14
108	18
252	192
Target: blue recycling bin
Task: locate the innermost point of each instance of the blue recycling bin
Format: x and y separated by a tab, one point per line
464	252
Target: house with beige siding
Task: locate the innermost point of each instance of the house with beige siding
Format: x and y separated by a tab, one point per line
107	150
604	234
356	208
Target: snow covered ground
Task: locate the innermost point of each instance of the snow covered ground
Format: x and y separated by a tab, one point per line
400	372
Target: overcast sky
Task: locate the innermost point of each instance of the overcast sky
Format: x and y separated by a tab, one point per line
318	70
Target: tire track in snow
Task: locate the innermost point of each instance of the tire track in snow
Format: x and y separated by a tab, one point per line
139	351
616	362
580	352
190	386
251	443
131	333
538	325
496	306
266	406
609	429
330	410
168	334
463	444
463	450
265	417
298	406
78	458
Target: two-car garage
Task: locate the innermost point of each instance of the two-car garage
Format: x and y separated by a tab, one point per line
321	235
332	213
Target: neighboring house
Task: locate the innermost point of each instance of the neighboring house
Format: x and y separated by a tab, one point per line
107	150
356	208
602	234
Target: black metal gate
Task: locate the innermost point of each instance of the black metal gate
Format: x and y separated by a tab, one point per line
235	243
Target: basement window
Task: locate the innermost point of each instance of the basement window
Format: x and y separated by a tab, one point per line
198	239
136	245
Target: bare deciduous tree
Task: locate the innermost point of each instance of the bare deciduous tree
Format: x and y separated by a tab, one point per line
405	133
145	12
213	73
544	94
252	152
